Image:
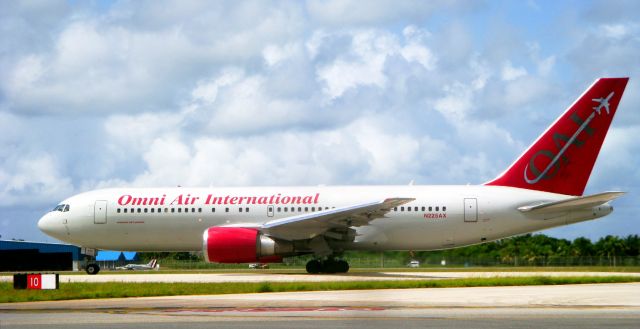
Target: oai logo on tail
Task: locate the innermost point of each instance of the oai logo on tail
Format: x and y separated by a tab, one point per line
603	102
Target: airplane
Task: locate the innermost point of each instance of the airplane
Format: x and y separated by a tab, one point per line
152	265
603	102
542	189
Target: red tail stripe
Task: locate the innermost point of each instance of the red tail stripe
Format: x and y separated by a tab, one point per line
561	159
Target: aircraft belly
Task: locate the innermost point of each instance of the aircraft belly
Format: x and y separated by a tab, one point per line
408	233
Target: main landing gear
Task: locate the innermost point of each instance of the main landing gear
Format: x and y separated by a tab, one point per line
316	266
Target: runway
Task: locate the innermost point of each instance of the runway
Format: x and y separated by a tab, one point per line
584	306
281	277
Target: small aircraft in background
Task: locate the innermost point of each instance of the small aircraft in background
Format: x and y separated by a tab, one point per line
152	265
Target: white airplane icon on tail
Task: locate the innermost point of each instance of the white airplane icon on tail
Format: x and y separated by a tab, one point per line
604	102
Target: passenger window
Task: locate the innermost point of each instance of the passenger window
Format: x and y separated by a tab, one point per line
246	209
279	209
125	210
139	210
146	210
444	208
133	210
226	209
118	211
437	208
213	209
395	208
401	208
408	208
423	208
179	209
286	209
299	209
306	209
313	208
173	210
153	209
199	209
240	209
193	209
430	208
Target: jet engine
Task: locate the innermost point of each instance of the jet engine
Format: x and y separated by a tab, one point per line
242	245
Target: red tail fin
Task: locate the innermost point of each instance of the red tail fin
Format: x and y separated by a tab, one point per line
561	159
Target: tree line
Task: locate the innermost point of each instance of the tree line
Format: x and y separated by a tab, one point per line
528	249
539	249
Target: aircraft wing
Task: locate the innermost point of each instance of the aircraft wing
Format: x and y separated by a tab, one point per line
307	226
576	203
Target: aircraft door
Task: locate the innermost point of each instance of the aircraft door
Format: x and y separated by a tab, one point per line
470	210
100	212
270	210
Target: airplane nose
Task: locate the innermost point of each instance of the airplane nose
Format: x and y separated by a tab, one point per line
48	225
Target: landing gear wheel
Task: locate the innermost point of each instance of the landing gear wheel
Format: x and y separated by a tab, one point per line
92	269
343	266
335	266
314	266
328	266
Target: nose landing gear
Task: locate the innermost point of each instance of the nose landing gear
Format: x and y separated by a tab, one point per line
92	269
328	266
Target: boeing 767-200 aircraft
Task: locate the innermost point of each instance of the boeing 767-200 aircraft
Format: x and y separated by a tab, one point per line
543	188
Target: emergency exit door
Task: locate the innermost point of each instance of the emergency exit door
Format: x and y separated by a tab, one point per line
470	210
100	212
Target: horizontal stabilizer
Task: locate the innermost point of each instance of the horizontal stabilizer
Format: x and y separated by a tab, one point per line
576	203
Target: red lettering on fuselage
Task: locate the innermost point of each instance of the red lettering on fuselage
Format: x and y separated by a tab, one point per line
437	215
184	200
127	199
272	199
210	199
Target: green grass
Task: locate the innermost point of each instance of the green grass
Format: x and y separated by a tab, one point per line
118	289
623	269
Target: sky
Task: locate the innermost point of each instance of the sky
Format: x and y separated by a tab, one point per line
97	94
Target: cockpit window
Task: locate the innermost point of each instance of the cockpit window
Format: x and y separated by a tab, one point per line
61	208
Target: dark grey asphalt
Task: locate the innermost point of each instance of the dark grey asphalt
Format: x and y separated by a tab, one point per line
568	306
494	318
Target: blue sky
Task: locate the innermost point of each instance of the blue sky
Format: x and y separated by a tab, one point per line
234	93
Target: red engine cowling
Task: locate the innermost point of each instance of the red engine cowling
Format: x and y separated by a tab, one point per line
242	245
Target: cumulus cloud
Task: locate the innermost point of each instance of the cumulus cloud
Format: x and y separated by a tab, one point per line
289	93
509	72
34	179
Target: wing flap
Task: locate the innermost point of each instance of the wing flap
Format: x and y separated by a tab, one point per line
575	203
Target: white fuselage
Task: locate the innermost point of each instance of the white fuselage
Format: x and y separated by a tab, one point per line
440	217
